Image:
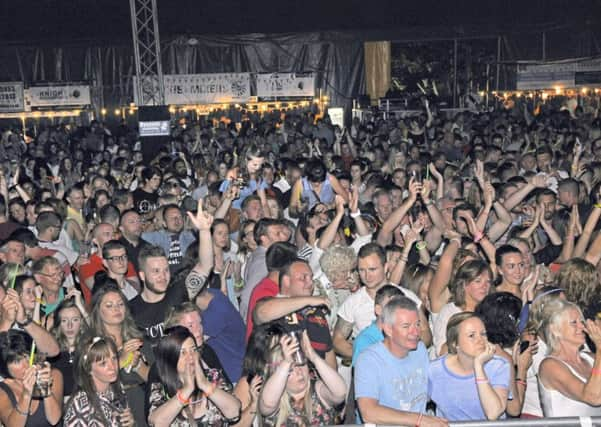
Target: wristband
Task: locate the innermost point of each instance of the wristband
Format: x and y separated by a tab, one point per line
521	382
420	246
596	371
479	236
180	399
430	202
27	321
419	419
355	214
456	239
481	380
597	205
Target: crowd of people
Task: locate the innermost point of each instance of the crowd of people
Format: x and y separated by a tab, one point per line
283	271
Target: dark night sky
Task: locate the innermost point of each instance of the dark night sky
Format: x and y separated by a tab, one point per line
97	21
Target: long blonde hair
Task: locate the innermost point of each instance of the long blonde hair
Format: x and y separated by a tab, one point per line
285	409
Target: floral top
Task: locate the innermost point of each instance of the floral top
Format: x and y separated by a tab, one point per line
212	415
81	413
320	413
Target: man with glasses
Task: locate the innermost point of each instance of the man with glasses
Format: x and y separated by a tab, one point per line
115	261
102	234
48	272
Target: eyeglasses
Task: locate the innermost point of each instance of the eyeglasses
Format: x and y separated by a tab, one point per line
120	258
59	273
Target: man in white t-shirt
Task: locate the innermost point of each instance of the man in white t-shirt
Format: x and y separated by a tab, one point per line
357	312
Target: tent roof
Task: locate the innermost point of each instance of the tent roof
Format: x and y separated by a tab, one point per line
57	22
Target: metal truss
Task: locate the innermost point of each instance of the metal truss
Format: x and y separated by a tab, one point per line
147	53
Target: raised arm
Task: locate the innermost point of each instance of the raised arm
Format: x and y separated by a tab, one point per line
433	211
231	194
196	279
438	292
395	218
275	386
589	227
329	234
355	213
537	181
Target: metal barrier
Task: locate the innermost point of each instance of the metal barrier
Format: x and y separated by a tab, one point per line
521	422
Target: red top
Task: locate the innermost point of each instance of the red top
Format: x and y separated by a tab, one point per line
92	267
266	288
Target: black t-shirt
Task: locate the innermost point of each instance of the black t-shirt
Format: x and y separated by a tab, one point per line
145	202
64	363
150	316
133	251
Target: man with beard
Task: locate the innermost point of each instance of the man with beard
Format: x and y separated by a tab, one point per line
150	306
174	240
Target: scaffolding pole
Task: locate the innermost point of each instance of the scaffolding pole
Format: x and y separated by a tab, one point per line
148	86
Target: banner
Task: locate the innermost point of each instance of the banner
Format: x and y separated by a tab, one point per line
182	89
59	95
285	85
11	97
564	74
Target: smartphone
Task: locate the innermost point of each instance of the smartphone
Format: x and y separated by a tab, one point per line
524	345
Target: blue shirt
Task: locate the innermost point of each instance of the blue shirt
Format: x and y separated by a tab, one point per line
367	337
226	331
456	396
245	191
397	383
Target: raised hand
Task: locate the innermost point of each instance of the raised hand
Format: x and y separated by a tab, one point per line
415	188
255	388
471	223
593	330
539	181
202	220
353	198
426	189
307	348
437	175
289	346
488	194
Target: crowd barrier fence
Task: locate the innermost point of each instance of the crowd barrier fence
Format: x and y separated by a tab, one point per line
521	422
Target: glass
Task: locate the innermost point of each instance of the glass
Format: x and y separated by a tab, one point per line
299	355
121	258
85	247
120	402
42	386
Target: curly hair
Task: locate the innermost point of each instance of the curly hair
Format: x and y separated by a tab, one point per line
337	259
580	280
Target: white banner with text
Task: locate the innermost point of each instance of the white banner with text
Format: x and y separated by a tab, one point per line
183	89
11	97
285	85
